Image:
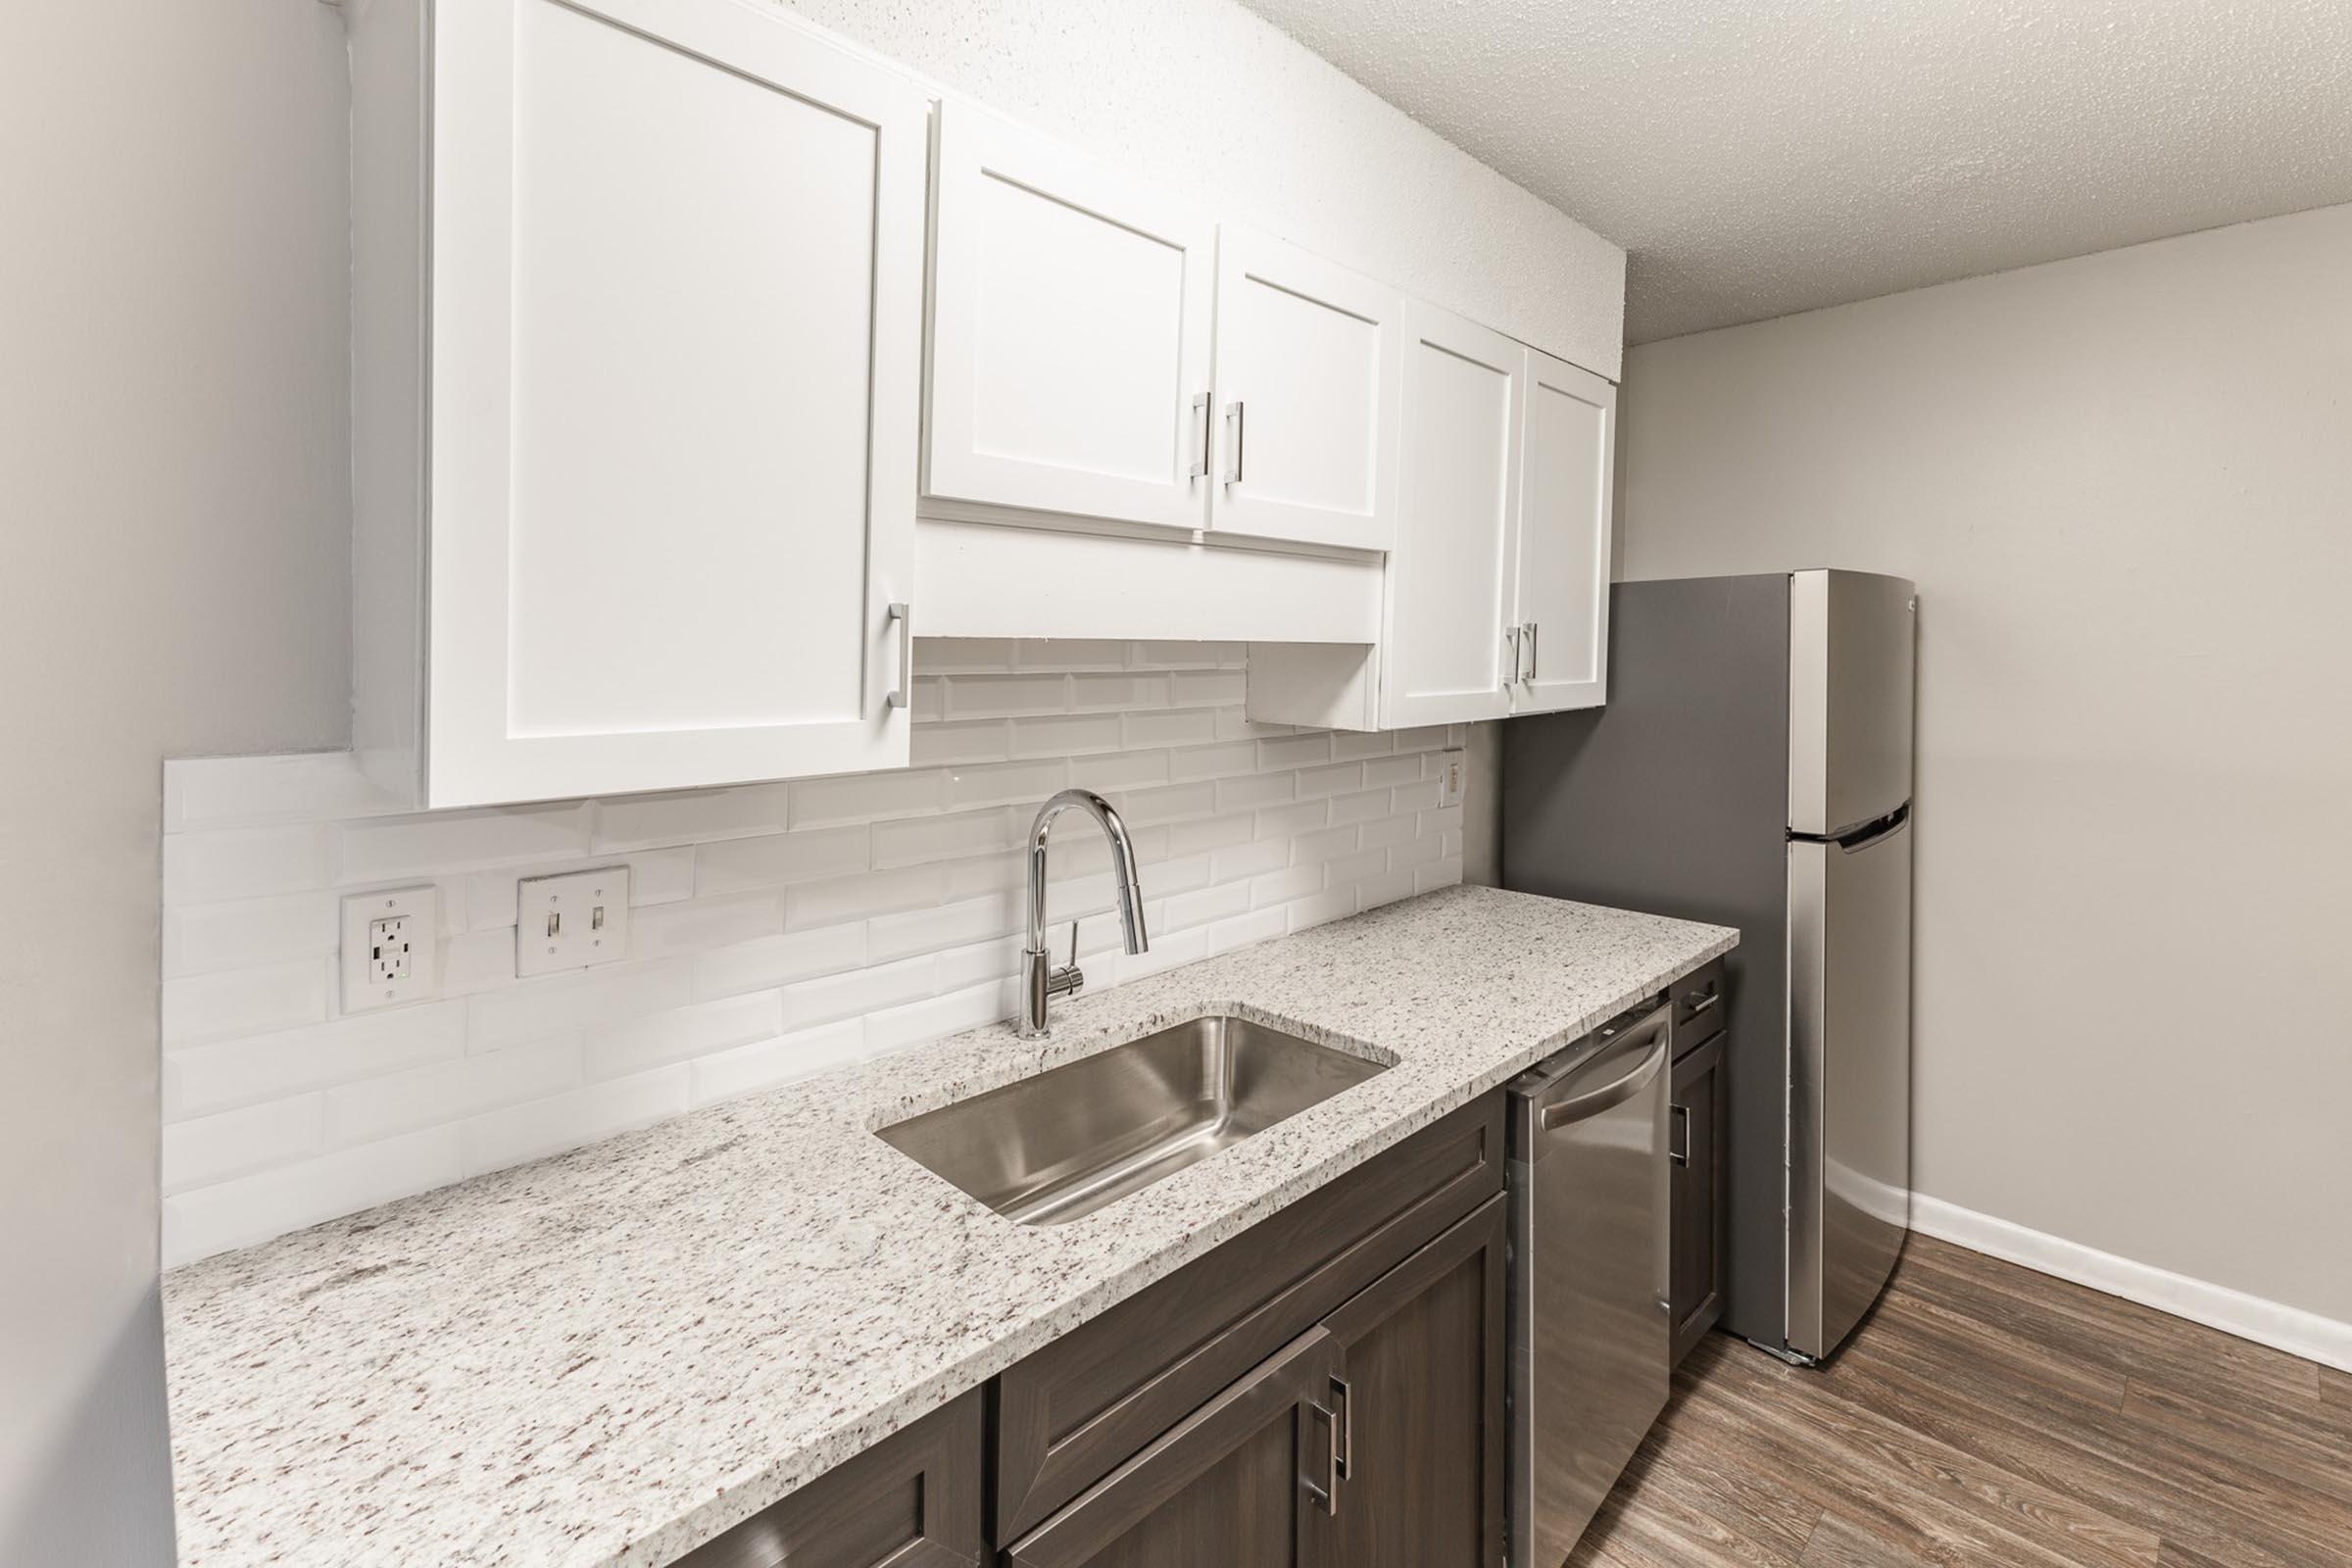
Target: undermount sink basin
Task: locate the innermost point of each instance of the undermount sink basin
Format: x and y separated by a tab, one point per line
1071	1140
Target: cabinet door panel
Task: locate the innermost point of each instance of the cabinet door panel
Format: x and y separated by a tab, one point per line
1233	1484
913	1500
677	279
1449	575
1070	332
1564	526
1306	365
1421	1409
1696	1291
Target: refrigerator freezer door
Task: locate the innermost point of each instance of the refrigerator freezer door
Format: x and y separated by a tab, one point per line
1849	1079
1850	650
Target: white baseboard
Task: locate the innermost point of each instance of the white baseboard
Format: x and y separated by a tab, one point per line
2283	1328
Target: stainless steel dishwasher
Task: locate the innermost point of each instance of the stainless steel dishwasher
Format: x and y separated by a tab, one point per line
1588	1321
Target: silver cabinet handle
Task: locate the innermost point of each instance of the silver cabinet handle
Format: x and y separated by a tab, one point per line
903	693
1510	654
1235	421
1199	468
1327	1495
1678	1138
1344	1394
1526	642
1699	1002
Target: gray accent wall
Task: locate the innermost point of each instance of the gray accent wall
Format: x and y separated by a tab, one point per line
1674	799
172	375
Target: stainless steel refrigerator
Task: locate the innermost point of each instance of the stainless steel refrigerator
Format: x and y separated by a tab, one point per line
1752	768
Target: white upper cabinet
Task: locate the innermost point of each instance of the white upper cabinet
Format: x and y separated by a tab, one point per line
1307	389
1443	657
1568	455
1070	332
676	257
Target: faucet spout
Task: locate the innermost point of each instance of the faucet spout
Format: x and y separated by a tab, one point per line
1040	980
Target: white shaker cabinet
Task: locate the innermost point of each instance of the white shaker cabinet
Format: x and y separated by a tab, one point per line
1308	381
1496	596
1567	462
638	303
1070	332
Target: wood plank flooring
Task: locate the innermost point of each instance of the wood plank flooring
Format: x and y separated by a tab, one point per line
1987	1416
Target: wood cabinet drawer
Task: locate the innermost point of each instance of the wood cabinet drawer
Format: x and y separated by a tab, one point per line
1701	1005
911	1500
1080	1407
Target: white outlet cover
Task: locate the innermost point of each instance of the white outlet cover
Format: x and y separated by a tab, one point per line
419	910
572	921
1449	778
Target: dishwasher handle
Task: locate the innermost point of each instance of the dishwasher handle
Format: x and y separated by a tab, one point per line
1639	1071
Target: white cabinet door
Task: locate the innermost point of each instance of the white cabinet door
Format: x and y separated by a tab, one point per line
1568	456
1444	659
676	269
1307	362
1070	332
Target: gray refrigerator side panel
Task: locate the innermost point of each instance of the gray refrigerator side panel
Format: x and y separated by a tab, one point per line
1674	798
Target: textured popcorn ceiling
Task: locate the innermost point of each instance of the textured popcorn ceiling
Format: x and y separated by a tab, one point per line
1759	157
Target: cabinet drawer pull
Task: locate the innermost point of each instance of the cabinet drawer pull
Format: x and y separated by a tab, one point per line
1526	641
1344	1397
1678	1142
1699	1002
1199	468
1234	422
1327	1495
1510	655
903	692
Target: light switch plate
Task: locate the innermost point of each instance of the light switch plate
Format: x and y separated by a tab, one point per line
391	948
1449	778
571	921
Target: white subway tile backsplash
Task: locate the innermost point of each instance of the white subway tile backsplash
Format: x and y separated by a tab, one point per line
764	1065
779	929
638	1044
538	1128
779	960
700	924
248	933
240	1071
810	855
214	1218
304	787
381	848
531	1010
200	868
689	817
863	797
1064	734
1006	783
237	1142
244	1002
983	740
446	1091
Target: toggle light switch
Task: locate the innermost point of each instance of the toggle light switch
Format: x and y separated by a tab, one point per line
571	921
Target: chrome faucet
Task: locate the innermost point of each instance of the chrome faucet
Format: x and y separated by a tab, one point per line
1040	980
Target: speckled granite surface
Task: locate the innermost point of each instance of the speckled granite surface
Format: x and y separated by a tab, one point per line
609	1356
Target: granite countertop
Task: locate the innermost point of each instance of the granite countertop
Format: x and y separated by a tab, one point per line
609	1356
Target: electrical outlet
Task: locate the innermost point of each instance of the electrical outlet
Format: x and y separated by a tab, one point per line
391	941
1449	778
571	921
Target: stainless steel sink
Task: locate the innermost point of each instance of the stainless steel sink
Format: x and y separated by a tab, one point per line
1071	1140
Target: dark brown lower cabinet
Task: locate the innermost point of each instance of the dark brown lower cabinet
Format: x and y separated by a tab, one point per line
1240	1482
1420	1407
1695	1147
911	1500
1323	1391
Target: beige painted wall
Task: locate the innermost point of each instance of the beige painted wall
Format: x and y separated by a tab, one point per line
173	493
2124	484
